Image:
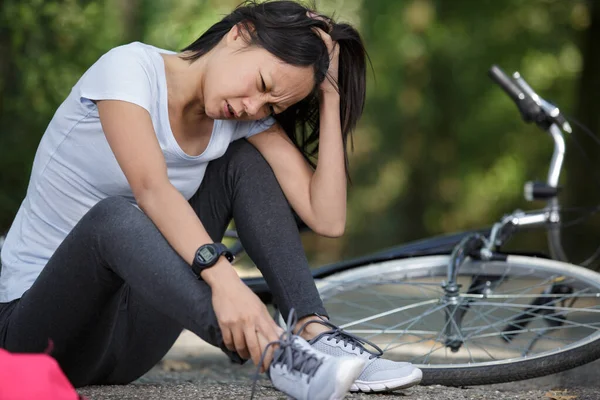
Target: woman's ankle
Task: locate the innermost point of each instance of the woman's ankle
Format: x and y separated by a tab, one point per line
311	330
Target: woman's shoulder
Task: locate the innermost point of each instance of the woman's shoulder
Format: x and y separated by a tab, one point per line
131	72
135	50
132	62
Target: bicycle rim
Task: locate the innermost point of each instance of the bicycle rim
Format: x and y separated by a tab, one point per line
399	305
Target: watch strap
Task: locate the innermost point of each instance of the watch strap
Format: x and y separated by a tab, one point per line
223	250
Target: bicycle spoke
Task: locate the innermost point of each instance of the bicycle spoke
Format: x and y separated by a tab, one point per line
540	307
492	325
485	350
433	349
506	303
505	321
404	331
386	313
411	343
378	295
357	305
571	325
416	319
442	331
535	317
398	345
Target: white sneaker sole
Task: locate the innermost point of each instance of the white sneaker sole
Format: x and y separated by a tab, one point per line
346	376
391	384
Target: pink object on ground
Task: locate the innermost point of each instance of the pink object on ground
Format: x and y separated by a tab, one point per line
33	377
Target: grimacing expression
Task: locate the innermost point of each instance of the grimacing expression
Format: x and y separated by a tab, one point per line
247	82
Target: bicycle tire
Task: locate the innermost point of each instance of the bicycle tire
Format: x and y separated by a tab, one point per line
546	362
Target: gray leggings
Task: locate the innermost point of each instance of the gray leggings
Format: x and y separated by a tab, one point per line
115	296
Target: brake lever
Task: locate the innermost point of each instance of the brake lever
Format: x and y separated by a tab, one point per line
551	111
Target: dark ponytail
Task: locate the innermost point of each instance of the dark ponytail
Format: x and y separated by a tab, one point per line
285	30
351	79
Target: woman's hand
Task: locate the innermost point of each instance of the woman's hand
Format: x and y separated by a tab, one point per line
244	320
329	84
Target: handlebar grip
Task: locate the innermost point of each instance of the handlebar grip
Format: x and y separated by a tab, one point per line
506	83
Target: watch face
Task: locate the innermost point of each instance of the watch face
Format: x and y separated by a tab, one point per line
206	254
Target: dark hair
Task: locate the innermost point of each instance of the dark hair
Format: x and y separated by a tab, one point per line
284	29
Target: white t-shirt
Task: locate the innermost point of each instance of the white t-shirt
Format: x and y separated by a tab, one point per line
74	167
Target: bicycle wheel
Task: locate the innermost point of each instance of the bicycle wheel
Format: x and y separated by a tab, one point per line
399	306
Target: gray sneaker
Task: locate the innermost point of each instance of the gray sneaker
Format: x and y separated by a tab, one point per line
378	375
304	373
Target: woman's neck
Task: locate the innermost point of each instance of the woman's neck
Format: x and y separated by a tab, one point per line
184	86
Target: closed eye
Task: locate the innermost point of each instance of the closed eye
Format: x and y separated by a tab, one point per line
264	89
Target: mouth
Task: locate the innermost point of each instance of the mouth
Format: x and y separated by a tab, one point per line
229	111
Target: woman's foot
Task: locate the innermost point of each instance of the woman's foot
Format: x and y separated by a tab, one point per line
378	374
305	373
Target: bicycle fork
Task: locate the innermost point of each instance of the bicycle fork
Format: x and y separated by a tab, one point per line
456	306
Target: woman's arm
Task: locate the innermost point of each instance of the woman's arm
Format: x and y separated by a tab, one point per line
130	134
319	197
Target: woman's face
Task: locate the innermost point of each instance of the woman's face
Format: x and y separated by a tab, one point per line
248	83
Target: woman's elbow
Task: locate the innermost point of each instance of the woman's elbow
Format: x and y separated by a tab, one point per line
147	192
332	230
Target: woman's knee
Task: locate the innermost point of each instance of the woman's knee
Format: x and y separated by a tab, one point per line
243	158
113	216
241	168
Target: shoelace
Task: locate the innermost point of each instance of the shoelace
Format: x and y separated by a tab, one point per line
290	354
338	334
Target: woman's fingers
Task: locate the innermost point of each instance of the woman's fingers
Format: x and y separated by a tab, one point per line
268	332
240	343
263	341
241	315
312	15
228	338
253	343
326	38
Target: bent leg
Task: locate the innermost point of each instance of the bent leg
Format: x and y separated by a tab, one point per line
114	256
242	183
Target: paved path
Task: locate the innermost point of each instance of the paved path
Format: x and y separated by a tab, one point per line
195	370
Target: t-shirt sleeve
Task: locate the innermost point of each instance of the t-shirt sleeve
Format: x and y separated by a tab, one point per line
123	73
259	126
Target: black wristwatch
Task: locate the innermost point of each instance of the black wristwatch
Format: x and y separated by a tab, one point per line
208	255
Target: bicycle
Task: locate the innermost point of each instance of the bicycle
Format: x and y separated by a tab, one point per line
460	308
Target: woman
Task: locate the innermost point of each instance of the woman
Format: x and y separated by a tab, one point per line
115	248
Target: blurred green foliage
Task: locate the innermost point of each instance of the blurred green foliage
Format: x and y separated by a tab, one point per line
440	148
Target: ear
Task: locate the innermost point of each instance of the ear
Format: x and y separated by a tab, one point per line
238	37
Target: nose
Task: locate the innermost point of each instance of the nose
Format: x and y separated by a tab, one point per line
253	105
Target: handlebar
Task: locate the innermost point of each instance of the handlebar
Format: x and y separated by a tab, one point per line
530	110
506	83
532	107
547	116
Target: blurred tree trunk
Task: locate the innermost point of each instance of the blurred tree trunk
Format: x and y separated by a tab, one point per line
132	19
583	173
